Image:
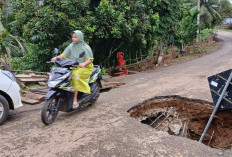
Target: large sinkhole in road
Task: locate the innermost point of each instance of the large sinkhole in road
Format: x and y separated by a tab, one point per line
186	117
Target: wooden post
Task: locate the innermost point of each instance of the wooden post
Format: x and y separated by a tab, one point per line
9	69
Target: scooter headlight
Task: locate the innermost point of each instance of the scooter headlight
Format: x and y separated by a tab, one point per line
55	82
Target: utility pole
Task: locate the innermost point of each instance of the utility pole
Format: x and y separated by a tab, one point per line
198	18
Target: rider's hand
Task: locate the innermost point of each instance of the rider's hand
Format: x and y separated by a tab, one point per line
82	65
53	59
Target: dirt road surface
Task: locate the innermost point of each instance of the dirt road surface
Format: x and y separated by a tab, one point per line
106	129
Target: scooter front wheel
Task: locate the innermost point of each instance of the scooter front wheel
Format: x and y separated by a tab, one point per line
50	110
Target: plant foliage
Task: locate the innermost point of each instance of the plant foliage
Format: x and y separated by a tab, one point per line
135	27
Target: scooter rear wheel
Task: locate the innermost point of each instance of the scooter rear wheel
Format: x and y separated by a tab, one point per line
50	111
95	92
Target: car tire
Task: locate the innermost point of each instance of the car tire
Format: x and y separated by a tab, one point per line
4	109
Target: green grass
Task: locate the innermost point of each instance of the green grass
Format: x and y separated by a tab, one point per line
227	30
28	87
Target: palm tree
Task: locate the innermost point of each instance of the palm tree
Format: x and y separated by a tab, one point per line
208	15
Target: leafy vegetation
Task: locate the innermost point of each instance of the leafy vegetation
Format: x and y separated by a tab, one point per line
205	34
225	8
104	72
12	46
208	14
138	28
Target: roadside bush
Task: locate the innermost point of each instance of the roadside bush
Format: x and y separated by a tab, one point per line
205	34
104	72
199	49
110	26
35	60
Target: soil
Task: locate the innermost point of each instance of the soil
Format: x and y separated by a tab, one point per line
194	113
174	57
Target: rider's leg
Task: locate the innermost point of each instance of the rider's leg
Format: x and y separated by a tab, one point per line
75	97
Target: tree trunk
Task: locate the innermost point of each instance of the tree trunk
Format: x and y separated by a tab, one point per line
198	18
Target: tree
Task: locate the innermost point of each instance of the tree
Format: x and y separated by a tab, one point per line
109	26
12	45
225	8
170	13
186	28
133	27
208	14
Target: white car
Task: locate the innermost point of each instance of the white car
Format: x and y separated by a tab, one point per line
10	98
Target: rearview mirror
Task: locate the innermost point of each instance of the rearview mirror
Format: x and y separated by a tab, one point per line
56	51
82	54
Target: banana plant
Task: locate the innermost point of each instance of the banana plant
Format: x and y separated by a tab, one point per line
11	45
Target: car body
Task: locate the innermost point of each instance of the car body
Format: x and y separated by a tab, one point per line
10	98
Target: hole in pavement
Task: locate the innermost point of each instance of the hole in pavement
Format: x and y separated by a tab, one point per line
185	117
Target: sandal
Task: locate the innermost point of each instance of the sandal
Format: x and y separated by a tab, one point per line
76	106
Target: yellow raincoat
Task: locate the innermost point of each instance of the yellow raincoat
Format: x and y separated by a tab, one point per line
80	76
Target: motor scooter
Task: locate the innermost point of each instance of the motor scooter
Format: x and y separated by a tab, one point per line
60	96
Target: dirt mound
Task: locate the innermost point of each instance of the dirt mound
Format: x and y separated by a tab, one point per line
186	117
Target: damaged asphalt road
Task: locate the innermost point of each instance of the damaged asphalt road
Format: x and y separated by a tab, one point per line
106	129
